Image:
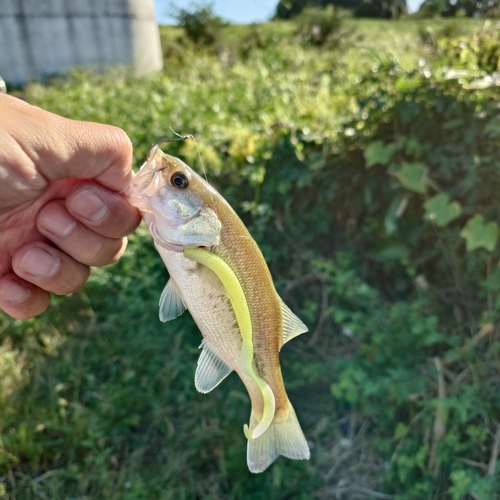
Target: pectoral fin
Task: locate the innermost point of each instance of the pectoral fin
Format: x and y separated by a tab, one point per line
171	303
292	325
211	370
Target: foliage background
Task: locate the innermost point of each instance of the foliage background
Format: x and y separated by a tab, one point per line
367	170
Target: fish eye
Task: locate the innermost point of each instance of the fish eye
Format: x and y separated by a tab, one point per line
179	180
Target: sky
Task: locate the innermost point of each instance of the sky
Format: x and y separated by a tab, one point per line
236	11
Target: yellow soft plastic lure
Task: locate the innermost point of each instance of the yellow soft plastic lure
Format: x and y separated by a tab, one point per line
239	303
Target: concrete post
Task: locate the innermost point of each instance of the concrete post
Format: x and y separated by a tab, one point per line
40	38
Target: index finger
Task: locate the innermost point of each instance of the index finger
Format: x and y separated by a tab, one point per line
60	148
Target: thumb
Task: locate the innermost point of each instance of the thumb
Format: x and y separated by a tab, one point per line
60	148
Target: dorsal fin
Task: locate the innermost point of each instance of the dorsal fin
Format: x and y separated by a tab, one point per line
171	303
292	325
211	370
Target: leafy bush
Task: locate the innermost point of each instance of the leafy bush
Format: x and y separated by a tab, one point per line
201	25
431	36
478	52
321	26
257	39
409	191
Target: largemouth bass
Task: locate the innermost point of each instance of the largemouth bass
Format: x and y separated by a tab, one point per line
218	273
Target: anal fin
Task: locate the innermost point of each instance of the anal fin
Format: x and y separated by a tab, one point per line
171	303
211	370
292	325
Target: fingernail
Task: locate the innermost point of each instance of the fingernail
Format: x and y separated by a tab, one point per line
55	219
39	263
88	205
15	292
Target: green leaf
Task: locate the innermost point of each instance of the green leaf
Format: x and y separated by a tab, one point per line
477	234
378	152
412	176
441	210
401	431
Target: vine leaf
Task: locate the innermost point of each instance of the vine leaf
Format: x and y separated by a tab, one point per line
477	234
378	153
412	176
441	209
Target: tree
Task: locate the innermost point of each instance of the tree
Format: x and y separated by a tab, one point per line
431	8
201	24
389	9
286	9
471	8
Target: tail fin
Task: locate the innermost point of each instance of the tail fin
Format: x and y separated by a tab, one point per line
281	438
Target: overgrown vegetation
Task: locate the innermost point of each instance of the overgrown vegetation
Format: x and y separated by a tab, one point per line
201	25
322	27
371	185
481	52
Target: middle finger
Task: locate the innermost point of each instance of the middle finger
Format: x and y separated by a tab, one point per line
77	240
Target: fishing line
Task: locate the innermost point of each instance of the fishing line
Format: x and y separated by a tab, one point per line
191	136
179	138
183	138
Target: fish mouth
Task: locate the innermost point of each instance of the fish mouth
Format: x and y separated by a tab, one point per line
139	183
140	176
175	246
168	245
164	242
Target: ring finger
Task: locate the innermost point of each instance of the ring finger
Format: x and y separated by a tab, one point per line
20	299
77	240
49	268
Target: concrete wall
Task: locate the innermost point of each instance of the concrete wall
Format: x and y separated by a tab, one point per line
41	38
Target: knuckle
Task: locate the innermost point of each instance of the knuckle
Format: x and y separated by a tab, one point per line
121	137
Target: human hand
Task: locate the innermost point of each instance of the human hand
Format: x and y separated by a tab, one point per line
60	211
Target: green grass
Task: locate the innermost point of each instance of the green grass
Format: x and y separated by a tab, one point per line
97	396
